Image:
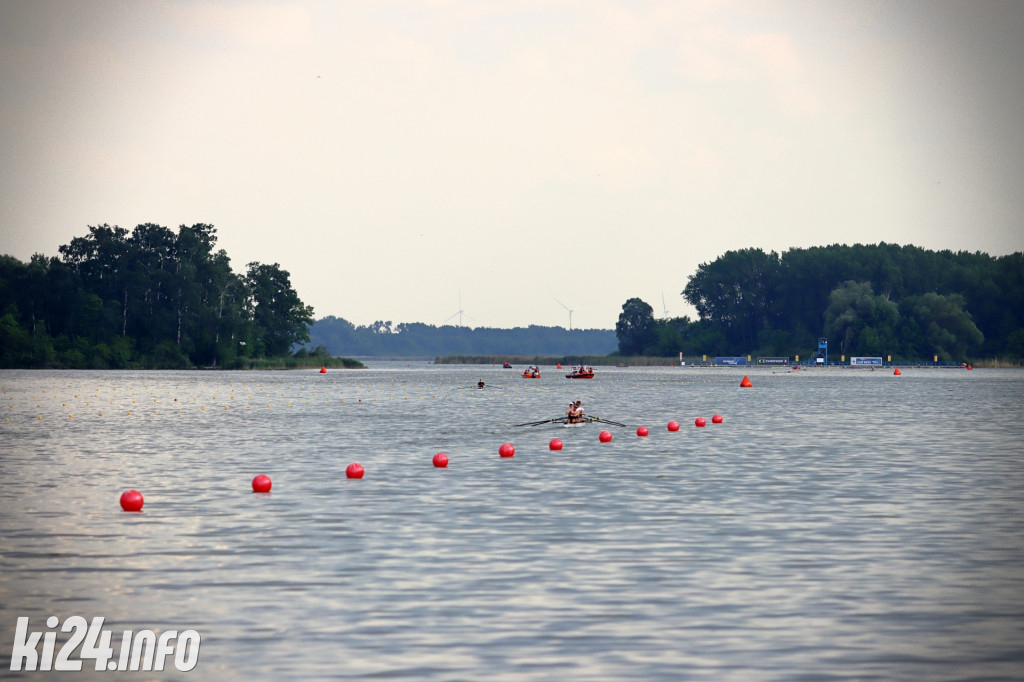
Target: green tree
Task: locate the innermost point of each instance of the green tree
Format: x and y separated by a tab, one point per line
944	324
148	267
635	328
151	297
860	322
16	348
280	317
100	259
735	292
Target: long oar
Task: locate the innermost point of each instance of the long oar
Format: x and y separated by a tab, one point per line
604	421
608	421
543	421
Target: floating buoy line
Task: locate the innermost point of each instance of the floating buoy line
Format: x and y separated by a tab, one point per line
31	401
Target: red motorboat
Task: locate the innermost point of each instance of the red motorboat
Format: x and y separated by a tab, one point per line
581	373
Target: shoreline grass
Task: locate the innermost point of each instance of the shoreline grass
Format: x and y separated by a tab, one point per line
296	363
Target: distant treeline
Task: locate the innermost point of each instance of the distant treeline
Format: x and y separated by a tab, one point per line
149	298
158	298
382	339
874	300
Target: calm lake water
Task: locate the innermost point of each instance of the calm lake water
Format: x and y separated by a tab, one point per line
839	524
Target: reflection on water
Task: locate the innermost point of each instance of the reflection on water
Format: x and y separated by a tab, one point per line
838	524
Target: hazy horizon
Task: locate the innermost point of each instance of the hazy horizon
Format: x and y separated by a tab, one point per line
397	156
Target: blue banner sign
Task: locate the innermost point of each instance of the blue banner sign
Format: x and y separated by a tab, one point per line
773	361
736	360
865	362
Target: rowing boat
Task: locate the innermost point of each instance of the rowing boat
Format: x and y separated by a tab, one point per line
564	421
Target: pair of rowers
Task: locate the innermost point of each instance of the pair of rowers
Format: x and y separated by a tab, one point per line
574	415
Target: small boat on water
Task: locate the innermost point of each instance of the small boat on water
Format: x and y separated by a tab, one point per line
581	372
506	365
531	373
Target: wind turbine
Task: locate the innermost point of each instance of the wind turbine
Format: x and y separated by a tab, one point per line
567	308
458	312
664	310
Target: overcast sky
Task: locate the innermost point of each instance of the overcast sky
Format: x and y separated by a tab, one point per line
394	156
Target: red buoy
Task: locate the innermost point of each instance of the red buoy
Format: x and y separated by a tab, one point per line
746	383
673	425
605	437
441	460
555	444
323	370
131	501
261	484
641	431
716	419
354	470
897	372
699	421
506	450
